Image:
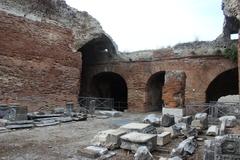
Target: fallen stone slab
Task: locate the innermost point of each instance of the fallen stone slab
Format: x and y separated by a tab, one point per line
163	138
64	119
132	141
38	116
139	127
46	123
20	126
109	138
143	153
79	118
167	120
109	113
92	152
212	131
231	121
3	122
3	130
152	119
19	122
107	156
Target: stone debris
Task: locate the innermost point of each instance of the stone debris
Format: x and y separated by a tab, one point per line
139	127
222	128
212	130
200	122
43	123
163	138
92	152
231	121
20	126
187	120
186	147
143	153
19	122
3	122
152	119
132	141
109	113
174	130
190	132
64	119
167	120
178	113
38	115
3	129
109	138
222	147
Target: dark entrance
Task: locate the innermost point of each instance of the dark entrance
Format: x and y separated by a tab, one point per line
224	84
110	85
154	91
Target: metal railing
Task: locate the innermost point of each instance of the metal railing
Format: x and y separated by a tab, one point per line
214	109
97	103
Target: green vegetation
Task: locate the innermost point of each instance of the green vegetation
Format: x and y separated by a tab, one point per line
231	52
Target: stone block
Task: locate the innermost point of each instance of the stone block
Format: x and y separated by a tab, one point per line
132	141
197	124
231	121
178	113
203	119
223	148
109	138
139	127
167	120
212	131
173	130
187	120
163	138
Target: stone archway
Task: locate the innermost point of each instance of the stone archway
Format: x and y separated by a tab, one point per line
110	85
224	84
154	89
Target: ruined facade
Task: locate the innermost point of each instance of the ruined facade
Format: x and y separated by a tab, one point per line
50	54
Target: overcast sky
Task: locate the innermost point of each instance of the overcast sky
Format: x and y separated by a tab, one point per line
151	24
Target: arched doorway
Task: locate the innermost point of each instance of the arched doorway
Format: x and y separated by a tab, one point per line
97	51
110	85
154	91
224	84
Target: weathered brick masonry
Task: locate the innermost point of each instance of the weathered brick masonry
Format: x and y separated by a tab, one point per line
37	67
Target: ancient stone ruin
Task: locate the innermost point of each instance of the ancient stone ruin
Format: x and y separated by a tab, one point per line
58	65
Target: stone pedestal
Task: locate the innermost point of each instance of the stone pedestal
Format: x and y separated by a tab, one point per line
178	113
132	141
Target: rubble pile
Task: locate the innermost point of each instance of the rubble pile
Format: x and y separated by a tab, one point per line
158	132
16	117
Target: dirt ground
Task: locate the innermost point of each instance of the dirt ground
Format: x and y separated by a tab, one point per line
62	142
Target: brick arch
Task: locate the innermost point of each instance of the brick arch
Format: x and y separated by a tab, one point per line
110	85
153	90
225	83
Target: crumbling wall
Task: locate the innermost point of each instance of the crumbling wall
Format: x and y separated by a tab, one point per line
39	62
